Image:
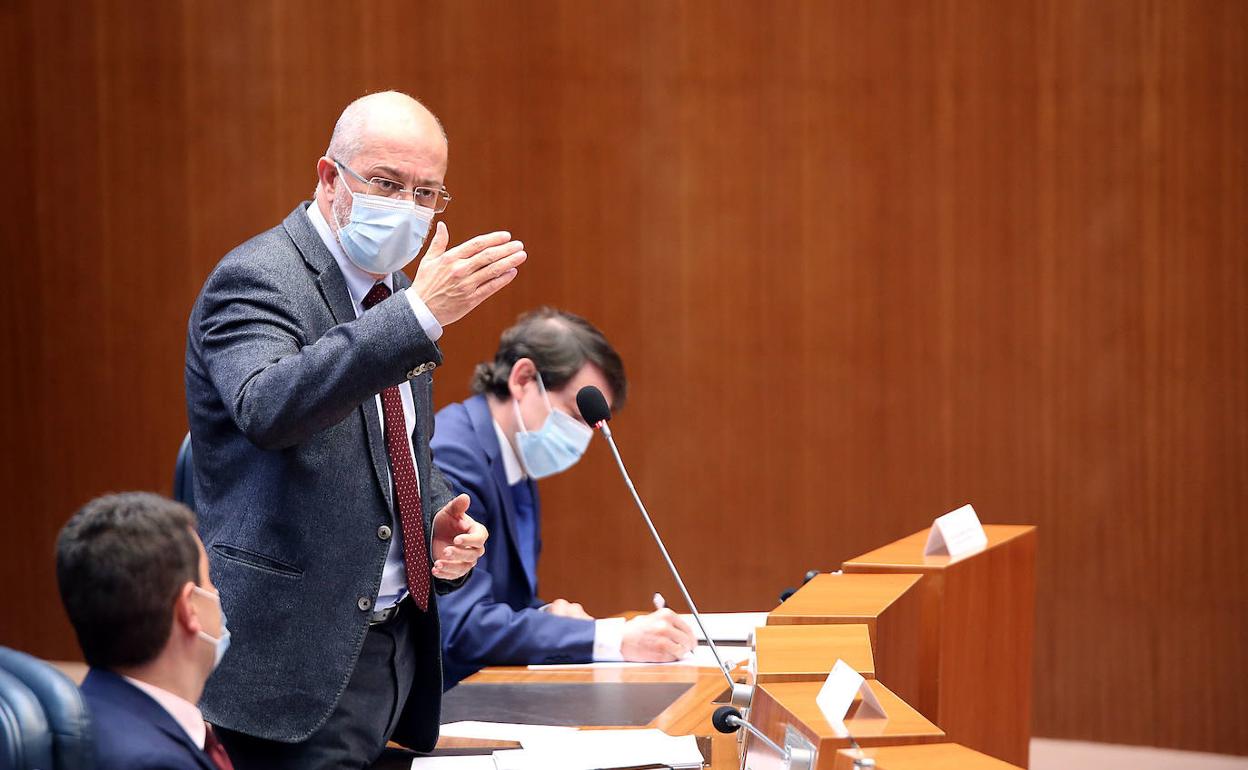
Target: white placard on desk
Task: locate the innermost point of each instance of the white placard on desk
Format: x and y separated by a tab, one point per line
955	534
838	692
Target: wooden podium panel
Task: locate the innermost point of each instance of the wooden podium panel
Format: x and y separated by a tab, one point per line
807	653
976	643
781	705
931	756
890	605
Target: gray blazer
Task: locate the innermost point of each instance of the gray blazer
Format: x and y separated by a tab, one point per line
292	478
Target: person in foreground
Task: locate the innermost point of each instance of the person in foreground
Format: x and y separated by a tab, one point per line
308	379
135	583
523	425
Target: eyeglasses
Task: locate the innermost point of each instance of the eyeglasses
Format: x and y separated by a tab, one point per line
426	197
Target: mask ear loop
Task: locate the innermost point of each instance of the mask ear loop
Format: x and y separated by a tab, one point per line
515	403
216	598
334	226
542	387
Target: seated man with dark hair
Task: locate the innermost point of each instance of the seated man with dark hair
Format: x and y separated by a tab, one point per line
133	577
524	425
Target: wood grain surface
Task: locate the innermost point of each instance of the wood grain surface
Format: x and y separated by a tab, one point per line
799	653
866	262
930	756
976	636
782	704
892	607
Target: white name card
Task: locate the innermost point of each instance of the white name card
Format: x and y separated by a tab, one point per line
839	690
955	534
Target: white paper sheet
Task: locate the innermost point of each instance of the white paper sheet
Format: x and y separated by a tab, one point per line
956	534
591	749
476	762
525	735
700	657
728	626
839	690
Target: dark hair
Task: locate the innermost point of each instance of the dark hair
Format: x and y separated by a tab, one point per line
120	562
559	343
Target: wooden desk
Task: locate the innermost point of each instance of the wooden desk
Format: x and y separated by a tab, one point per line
931	756
803	653
978	620
782	705
890	605
690	714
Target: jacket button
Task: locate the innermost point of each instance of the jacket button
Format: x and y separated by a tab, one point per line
383	532
365	603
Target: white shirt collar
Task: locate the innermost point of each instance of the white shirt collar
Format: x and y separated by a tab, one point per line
511	463
359	283
185	713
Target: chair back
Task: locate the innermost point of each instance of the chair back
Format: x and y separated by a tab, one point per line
25	741
64	710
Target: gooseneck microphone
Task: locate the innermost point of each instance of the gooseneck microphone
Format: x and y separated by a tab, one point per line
594	410
727	719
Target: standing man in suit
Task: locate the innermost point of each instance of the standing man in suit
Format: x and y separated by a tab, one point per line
523	425
308	379
134	580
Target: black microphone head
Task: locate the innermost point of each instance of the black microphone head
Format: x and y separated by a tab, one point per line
593	405
786	593
720	719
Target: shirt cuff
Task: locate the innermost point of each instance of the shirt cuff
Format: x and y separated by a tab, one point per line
608	638
432	328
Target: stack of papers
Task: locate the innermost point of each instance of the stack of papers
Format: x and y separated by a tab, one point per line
731	627
525	735
591	749
566	748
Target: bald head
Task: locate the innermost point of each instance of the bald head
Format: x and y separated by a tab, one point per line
386	114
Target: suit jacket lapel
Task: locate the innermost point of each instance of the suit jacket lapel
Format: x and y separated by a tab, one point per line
333	288
122	692
483	425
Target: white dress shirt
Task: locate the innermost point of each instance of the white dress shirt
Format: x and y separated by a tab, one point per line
608	632
359	283
185	713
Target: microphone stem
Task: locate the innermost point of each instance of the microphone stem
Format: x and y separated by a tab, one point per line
606	432
758	734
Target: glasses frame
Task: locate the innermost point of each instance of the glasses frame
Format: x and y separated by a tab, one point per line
442	198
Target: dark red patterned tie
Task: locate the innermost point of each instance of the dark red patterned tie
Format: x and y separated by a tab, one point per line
216	751
407	489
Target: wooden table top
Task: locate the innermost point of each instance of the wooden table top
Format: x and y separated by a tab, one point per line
690	714
845	597
808	652
931	756
906	554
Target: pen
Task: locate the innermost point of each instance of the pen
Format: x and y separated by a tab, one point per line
659	601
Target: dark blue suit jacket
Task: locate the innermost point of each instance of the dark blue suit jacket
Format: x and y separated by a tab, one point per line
134	732
493	619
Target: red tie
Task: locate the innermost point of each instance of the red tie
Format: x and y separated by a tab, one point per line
407	488
215	750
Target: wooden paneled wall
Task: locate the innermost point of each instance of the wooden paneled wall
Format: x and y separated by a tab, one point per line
866	261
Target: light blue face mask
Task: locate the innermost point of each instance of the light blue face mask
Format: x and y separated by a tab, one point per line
554	447
384	234
223	643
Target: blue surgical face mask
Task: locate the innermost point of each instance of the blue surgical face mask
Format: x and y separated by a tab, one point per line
384	234
554	447
222	643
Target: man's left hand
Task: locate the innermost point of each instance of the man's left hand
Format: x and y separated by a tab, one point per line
458	540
